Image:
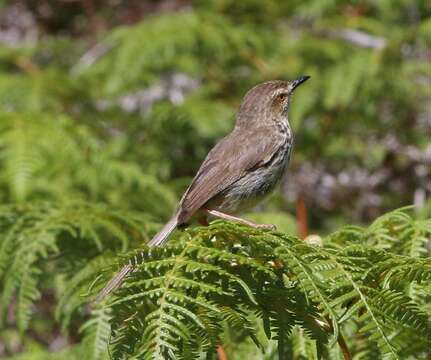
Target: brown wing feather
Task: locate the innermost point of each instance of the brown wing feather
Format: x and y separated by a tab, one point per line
227	162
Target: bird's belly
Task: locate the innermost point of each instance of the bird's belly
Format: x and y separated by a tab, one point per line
248	191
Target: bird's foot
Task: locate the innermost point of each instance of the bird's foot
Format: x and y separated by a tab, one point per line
271	227
224	216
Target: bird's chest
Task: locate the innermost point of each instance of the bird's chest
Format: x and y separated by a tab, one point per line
267	177
262	181
255	185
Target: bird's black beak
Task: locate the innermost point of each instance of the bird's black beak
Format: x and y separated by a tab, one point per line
298	81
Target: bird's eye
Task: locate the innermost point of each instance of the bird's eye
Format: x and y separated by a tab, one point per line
282	96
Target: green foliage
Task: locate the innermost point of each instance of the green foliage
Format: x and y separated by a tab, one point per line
102	125
74	353
188	42
44	242
182	297
53	158
222	283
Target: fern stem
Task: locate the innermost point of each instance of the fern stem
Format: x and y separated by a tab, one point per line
367	306
162	302
221	353
343	346
340	339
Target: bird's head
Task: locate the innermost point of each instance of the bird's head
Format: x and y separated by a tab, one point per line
267	102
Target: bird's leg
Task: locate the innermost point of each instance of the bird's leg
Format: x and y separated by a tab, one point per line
224	216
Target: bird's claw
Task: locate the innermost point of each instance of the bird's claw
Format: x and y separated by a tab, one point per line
271	227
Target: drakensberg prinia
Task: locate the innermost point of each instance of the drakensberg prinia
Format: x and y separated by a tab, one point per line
241	169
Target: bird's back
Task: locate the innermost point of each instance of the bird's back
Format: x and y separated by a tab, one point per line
256	183
230	165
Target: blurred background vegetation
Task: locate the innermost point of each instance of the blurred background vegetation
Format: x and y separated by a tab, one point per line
117	102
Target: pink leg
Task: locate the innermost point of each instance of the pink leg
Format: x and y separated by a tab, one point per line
224	216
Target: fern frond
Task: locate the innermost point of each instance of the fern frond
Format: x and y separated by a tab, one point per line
182	39
75	295
43	156
298	259
97	332
62	236
193	286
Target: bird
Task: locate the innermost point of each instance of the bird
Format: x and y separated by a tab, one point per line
241	169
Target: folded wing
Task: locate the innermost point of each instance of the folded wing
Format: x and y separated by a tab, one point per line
234	156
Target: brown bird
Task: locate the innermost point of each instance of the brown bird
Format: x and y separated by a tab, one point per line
241	169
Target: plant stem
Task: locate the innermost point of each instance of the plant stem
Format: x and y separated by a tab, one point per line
343	347
221	353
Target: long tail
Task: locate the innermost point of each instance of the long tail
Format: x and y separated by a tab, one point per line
162	236
159	239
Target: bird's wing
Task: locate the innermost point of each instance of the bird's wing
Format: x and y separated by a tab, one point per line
228	161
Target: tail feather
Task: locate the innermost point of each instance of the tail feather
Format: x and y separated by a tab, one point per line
114	283
162	236
159	239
